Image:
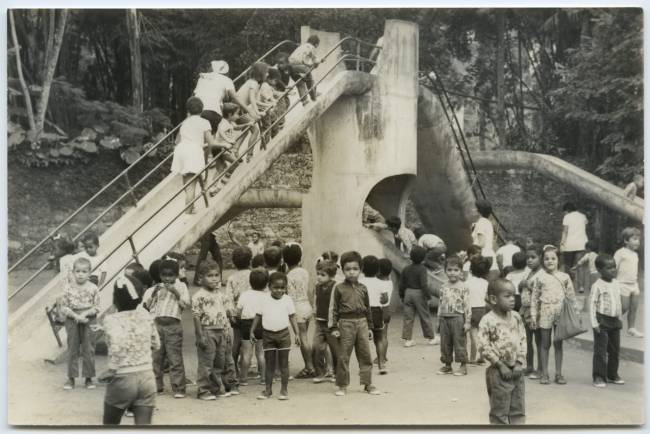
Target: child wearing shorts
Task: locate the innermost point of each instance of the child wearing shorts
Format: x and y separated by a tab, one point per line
377	295
247	307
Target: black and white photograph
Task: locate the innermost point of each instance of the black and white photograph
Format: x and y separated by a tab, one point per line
339	217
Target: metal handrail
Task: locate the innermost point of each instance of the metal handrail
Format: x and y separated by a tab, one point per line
218	178
119	177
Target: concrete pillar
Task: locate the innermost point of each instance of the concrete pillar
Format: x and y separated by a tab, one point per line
361	142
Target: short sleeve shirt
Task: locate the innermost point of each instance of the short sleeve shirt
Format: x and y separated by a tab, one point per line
576	237
297	284
212	89
477	291
209	308
506	252
81	297
244	91
275	313
627	265
130	337
192	131
249	302
226	136
484	227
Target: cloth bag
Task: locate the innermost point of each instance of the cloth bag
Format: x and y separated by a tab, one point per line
569	323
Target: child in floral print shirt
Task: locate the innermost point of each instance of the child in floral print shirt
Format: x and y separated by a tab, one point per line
502	342
455	313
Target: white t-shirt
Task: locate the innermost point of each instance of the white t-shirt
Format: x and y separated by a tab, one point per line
375	288
249	302
576	236
226	135
192	132
517	276
506	252
627	265
477	290
484	227
275	313
212	89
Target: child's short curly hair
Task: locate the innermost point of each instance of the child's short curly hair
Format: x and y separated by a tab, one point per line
385	267
272	256
327	267
170	265
630	232
351	256
241	257
90	237
206	266
278	275
480	266
602	259
292	254
258	261
417	254
484	208
258	279
370	266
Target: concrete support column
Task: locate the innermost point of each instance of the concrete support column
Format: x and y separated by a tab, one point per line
356	144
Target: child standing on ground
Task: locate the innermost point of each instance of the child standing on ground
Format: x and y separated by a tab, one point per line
534	263
210	326
473	251
350	321
545	306
325	272
477	285
237	283
247	306
302	61
605	310
377	295
517	275
455	318
275	313
297	289
627	268
166	302
413	289
502	341
384	274
80	305
587	274
189	157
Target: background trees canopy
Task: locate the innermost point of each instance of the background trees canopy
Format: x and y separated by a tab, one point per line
571	83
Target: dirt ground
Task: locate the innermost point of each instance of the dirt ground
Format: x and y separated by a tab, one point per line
413	395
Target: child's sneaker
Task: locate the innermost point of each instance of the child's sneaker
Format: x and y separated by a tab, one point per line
535	375
340	391
179	395
243	383
371	390
598	382
617	380
224	394
207	396
234	391
263	395
89	384
318	380
434	341
461	371
283	397
409	343
559	379
445	370
69	384
634	333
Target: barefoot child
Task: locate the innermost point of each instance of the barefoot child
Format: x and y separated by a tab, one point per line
350	321
627	269
502	342
80	305
275	313
455	317
325	272
247	307
166	302
605	310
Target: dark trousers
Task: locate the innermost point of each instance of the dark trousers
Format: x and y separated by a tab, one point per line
81	342
415	303
209	245
354	335
299	71
212	360
452	339
607	345
507	398
170	331
229	370
323	339
531	348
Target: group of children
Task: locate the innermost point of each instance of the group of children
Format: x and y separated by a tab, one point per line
510	319
219	119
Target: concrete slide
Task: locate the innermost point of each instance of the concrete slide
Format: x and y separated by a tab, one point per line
30	336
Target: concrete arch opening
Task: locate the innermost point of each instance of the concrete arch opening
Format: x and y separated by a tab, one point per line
389	196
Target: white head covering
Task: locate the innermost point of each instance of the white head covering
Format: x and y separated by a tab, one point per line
220	66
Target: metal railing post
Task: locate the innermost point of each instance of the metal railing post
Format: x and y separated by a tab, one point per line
203	191
133	249
130	189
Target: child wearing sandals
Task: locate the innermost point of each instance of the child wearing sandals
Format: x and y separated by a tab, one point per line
276	313
189	158
297	289
247	306
546	301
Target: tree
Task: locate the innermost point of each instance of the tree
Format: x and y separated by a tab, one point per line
133	27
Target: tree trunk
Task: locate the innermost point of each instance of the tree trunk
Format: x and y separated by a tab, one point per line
19	67
500	78
49	74
136	59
